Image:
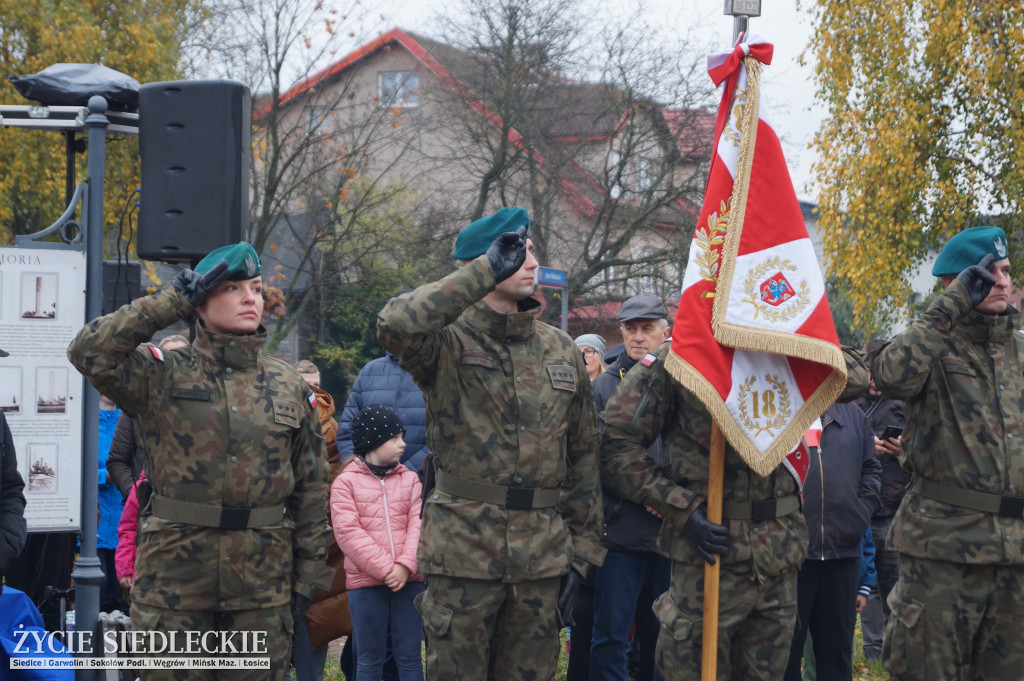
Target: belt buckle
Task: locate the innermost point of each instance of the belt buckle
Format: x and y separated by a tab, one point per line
519	498
1011	507
234	518
763	510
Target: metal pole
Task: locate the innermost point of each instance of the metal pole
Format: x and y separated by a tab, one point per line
88	575
69	163
565	308
739	25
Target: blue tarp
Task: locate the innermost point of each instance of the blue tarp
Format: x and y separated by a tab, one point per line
18	614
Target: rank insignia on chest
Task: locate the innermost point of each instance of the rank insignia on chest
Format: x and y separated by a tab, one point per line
562	377
649	360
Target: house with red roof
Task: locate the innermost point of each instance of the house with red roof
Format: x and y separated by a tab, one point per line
613	181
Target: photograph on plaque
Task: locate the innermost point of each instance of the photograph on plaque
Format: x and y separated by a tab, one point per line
10	390
42	468
51	390
38	295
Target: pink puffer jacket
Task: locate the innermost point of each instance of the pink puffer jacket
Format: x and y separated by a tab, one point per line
376	522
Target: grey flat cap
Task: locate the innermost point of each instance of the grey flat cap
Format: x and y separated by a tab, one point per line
643	306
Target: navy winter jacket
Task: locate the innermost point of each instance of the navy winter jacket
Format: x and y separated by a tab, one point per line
842	489
628	526
385	383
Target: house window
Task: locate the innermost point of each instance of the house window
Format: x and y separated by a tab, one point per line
316	117
399	88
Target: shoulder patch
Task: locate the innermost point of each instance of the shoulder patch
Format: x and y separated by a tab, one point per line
311	398
157	353
649	359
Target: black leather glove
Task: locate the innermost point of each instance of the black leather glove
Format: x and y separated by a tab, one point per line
197	287
567	593
710	538
300	604
978	279
507	254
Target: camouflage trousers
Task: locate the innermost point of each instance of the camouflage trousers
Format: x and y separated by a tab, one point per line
756	618
482	629
955	621
276	622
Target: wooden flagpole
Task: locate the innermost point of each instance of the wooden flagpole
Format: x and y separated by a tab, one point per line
716	479
741	11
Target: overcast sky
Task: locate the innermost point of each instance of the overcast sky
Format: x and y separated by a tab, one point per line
788	86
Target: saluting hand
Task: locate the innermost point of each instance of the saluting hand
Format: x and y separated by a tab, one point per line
507	253
197	287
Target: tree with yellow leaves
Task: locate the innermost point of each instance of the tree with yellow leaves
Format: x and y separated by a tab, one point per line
141	38
924	135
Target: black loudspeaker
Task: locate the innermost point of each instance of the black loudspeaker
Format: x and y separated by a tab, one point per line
194	143
122	283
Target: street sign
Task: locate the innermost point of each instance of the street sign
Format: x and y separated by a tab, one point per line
551	278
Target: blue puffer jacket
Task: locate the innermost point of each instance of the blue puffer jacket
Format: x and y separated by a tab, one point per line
385	383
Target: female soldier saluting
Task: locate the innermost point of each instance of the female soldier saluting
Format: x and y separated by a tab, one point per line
234	534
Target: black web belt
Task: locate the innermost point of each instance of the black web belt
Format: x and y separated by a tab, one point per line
986	502
760	510
513	498
222	517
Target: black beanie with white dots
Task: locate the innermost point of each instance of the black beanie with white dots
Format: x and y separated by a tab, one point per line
372	427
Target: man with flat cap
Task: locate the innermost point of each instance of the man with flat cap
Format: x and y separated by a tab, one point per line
634	572
958	606
233	534
511	525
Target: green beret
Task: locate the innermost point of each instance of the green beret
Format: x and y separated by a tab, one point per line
968	248
474	240
243	262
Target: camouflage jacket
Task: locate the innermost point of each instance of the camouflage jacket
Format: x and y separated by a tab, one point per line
221	424
508	403
961	374
650	402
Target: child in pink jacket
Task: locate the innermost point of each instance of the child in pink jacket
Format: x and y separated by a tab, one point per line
375	509
124	555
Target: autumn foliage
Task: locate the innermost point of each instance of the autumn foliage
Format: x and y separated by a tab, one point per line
924	135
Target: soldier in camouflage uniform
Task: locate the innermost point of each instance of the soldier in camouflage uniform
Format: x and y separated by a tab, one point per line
958	606
513	519
762	543
233	536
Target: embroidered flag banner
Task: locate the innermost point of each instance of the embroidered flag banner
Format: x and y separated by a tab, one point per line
753	338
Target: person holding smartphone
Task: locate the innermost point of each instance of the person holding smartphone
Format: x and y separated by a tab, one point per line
885	416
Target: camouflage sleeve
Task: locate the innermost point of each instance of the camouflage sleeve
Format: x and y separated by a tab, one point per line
856	375
636	414
901	367
580	504
306	506
105	350
408	327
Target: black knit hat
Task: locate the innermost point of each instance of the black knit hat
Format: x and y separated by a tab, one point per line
372	427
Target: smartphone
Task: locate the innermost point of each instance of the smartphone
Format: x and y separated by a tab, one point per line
892	432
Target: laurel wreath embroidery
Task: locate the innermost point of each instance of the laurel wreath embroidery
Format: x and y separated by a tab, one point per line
731	133
710	241
772	314
782	411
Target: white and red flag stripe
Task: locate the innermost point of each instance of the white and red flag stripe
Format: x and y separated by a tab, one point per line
753	338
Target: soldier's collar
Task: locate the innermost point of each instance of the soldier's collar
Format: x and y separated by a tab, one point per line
237	352
979	327
516	326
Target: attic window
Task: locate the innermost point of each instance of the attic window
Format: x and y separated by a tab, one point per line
399	88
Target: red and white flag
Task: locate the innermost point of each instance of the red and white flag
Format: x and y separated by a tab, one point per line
754	338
